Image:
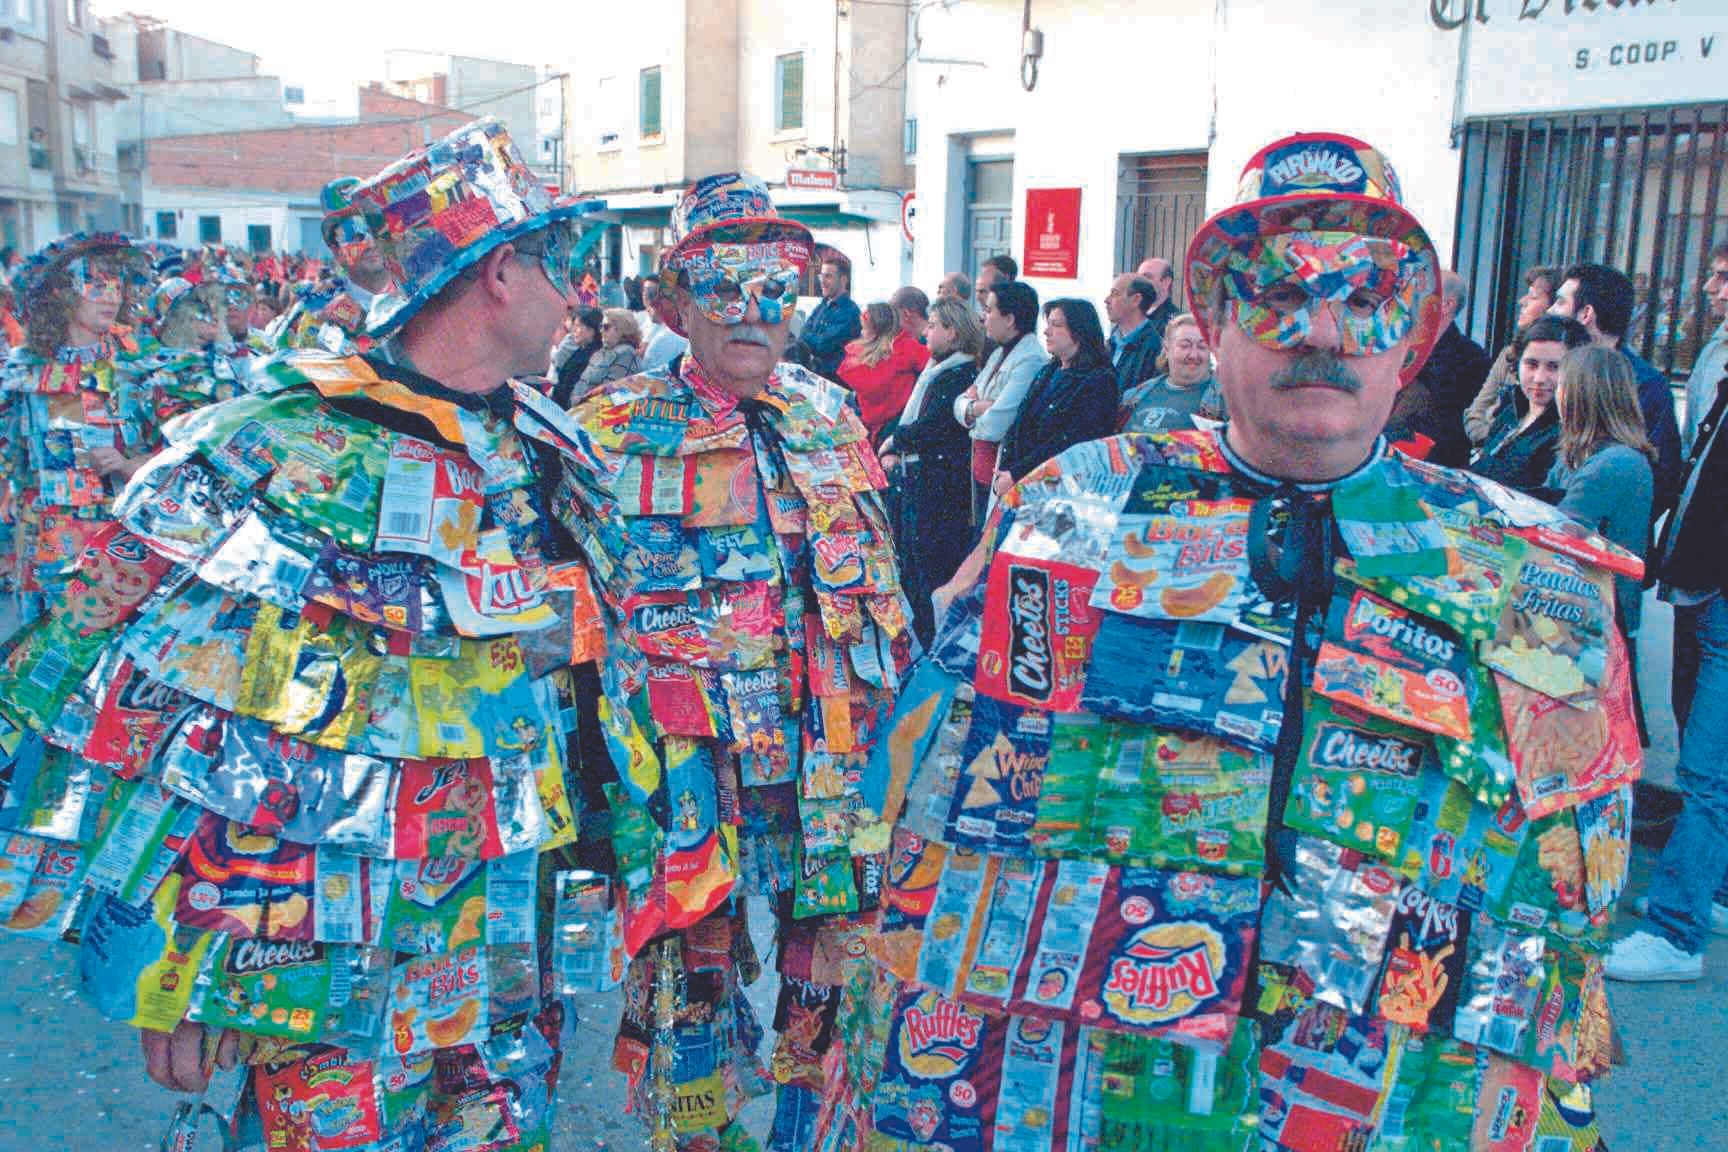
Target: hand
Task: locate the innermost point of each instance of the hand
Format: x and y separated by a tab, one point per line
1001	483
177	1061
113	462
889	462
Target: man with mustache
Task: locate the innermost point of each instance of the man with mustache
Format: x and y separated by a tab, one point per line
348	902
731	508
1250	734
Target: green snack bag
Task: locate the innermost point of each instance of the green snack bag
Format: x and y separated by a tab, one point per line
1357	779
1164	1097
293	989
1386	527
1469	592
635	841
1079	746
824	884
1431	1103
1482	763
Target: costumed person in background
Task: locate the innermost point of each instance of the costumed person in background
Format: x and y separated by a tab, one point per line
74	423
755	638
330	312
294	731
186	365
1265	789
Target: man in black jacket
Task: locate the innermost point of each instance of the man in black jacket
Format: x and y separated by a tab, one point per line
1433	404
835	322
1134	342
1680	915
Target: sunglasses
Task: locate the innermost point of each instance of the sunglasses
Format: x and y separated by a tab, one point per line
723	293
1370	287
551	246
95	285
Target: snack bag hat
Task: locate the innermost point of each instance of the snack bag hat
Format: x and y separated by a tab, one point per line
730	208
36	276
1318	182
441	208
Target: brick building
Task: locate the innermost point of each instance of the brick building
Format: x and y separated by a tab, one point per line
259	189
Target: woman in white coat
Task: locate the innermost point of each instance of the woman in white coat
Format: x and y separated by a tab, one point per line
990	406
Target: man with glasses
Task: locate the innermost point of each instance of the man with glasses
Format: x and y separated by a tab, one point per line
1230	814
318	654
731	508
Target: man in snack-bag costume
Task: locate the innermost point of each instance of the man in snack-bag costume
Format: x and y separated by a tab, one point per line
330	313
730	510
286	758
75	417
1264	788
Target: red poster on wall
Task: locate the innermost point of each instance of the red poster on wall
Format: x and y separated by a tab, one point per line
1052	233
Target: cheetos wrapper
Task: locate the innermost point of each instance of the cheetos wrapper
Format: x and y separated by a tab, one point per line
1356	780
1037	633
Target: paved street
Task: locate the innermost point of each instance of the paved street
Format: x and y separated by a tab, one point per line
70	1081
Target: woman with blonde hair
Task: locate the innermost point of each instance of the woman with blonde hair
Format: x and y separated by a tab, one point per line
619	355
1171	399
929	456
881	366
1602	473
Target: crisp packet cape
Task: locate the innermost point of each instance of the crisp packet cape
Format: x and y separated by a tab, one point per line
1412	823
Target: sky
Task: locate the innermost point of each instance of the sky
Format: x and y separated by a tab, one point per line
330	47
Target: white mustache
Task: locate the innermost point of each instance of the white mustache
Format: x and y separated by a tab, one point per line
749	334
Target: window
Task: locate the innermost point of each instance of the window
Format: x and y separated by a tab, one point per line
167	226
209	229
258	237
1638	189
1160	204
648	119
789	92
608	123
8	117
75	13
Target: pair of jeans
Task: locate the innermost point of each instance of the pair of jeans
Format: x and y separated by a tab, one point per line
1695	862
1685	685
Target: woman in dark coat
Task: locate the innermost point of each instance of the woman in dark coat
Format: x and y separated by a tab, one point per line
1525	435
929	454
1072	400
578	348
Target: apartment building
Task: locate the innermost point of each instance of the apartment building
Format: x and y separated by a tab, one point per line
810	95
59	106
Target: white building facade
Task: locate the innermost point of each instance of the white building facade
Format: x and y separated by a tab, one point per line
810	95
1524	132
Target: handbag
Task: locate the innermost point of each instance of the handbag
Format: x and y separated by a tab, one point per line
984	454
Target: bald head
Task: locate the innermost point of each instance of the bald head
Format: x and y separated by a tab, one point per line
1454	293
1163	277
